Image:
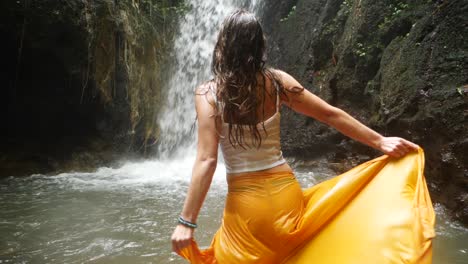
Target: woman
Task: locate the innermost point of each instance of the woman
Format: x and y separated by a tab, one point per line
267	218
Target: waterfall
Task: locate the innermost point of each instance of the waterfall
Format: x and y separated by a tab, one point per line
192	60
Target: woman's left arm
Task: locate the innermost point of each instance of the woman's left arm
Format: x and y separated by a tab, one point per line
203	168
346	124
311	105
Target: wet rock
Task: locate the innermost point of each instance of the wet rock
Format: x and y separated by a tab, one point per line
398	66
76	74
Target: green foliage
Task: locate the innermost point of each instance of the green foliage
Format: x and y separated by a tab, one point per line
360	50
163	8
393	11
345	7
370	47
338	21
290	14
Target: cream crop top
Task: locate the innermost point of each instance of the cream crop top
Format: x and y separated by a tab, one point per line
268	155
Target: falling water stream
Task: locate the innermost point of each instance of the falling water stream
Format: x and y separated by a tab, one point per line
126	214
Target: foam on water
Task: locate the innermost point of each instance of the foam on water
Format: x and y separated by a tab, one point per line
134	174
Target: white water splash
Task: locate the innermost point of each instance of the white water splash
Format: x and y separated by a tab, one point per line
134	175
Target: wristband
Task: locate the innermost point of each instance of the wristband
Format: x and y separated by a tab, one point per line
186	223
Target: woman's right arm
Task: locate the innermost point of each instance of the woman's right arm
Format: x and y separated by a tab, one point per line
305	102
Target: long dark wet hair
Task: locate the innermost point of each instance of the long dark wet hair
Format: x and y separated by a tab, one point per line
239	56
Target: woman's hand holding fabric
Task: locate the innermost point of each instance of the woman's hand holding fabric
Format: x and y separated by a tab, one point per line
181	237
396	147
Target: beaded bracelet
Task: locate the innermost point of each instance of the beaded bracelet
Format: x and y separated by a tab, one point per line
186	223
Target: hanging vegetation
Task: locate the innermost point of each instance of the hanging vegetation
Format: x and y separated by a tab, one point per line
83	80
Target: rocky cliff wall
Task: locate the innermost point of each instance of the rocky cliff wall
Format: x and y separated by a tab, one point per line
399	66
82	81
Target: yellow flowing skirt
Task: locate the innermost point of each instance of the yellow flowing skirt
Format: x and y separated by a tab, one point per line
378	212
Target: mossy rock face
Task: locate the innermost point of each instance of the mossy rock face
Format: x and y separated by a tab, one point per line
399	66
79	72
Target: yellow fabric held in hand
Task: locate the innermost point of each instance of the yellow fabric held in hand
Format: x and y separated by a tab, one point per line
377	213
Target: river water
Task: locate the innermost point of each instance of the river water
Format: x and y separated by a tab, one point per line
127	214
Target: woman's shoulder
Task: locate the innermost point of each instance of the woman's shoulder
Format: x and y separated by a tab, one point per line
205	88
208	90
283	76
288	82
278	73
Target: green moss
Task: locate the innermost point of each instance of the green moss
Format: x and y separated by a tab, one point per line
143	32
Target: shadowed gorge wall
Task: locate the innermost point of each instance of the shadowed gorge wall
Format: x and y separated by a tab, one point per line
81	80
398	66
